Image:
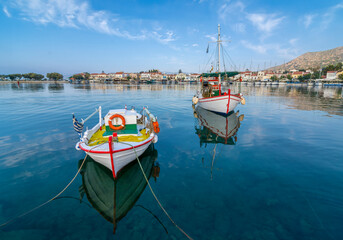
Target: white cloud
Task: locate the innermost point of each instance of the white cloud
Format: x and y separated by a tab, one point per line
308	19
293	41
8	14
212	37
264	22
79	14
257	48
228	9
240	27
165	38
195	45
329	15
279	50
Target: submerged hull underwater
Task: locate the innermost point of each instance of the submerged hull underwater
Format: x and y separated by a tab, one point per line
113	198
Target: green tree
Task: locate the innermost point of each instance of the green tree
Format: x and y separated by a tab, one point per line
307	76
78	76
340	76
54	76
316	75
87	75
289	77
274	78
14	76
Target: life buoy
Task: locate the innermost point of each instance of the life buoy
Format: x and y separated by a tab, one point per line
122	122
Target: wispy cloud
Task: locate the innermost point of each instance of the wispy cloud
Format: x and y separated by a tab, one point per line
308	19
255	47
79	14
212	37
239	16
195	45
278	49
8	14
229	8
265	23
165	38
293	41
330	14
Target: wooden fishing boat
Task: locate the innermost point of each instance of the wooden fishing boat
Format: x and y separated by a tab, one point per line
114	198
212	97
119	138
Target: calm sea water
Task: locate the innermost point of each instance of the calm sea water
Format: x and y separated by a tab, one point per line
279	175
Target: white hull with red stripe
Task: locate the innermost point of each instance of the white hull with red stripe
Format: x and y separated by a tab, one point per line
220	104
222	126
115	144
122	154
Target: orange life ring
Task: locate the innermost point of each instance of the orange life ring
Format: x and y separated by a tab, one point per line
116	116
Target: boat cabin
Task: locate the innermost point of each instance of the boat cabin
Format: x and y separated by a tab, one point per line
121	121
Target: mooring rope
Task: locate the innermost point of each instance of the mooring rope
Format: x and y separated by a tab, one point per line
50	200
153	193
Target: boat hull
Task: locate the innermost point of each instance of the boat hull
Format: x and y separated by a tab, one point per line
221	104
122	154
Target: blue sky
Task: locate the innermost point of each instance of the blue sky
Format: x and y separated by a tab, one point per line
71	36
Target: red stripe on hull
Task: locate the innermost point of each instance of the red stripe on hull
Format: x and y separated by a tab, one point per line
106	152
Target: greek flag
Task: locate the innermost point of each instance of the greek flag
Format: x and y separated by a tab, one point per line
78	127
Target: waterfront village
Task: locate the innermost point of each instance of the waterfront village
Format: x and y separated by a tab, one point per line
246	76
329	74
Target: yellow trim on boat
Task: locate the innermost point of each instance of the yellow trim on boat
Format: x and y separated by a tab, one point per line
97	137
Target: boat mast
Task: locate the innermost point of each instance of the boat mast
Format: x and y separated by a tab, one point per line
218	42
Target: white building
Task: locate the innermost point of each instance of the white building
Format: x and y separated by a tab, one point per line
330	75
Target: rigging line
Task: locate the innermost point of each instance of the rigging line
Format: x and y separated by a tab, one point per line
223	58
50	200
75	198
165	229
232	62
153	193
230	58
204	70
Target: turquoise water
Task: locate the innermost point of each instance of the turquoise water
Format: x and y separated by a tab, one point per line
279	175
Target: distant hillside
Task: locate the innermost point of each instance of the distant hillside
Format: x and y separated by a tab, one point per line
312	60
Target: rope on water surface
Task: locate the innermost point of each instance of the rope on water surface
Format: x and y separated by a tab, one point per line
153	193
45	203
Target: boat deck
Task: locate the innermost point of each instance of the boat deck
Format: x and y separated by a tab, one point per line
98	138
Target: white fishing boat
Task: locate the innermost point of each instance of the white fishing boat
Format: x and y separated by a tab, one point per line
212	97
119	137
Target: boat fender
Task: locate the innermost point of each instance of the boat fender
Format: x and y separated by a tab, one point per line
122	122
242	100
77	146
155	139
195	100
156	127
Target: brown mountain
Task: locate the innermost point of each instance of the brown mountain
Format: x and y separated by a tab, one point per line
313	60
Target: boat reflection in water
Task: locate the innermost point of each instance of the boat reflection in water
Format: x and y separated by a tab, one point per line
213	128
113	199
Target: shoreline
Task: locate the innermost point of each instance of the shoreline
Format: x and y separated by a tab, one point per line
33	81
